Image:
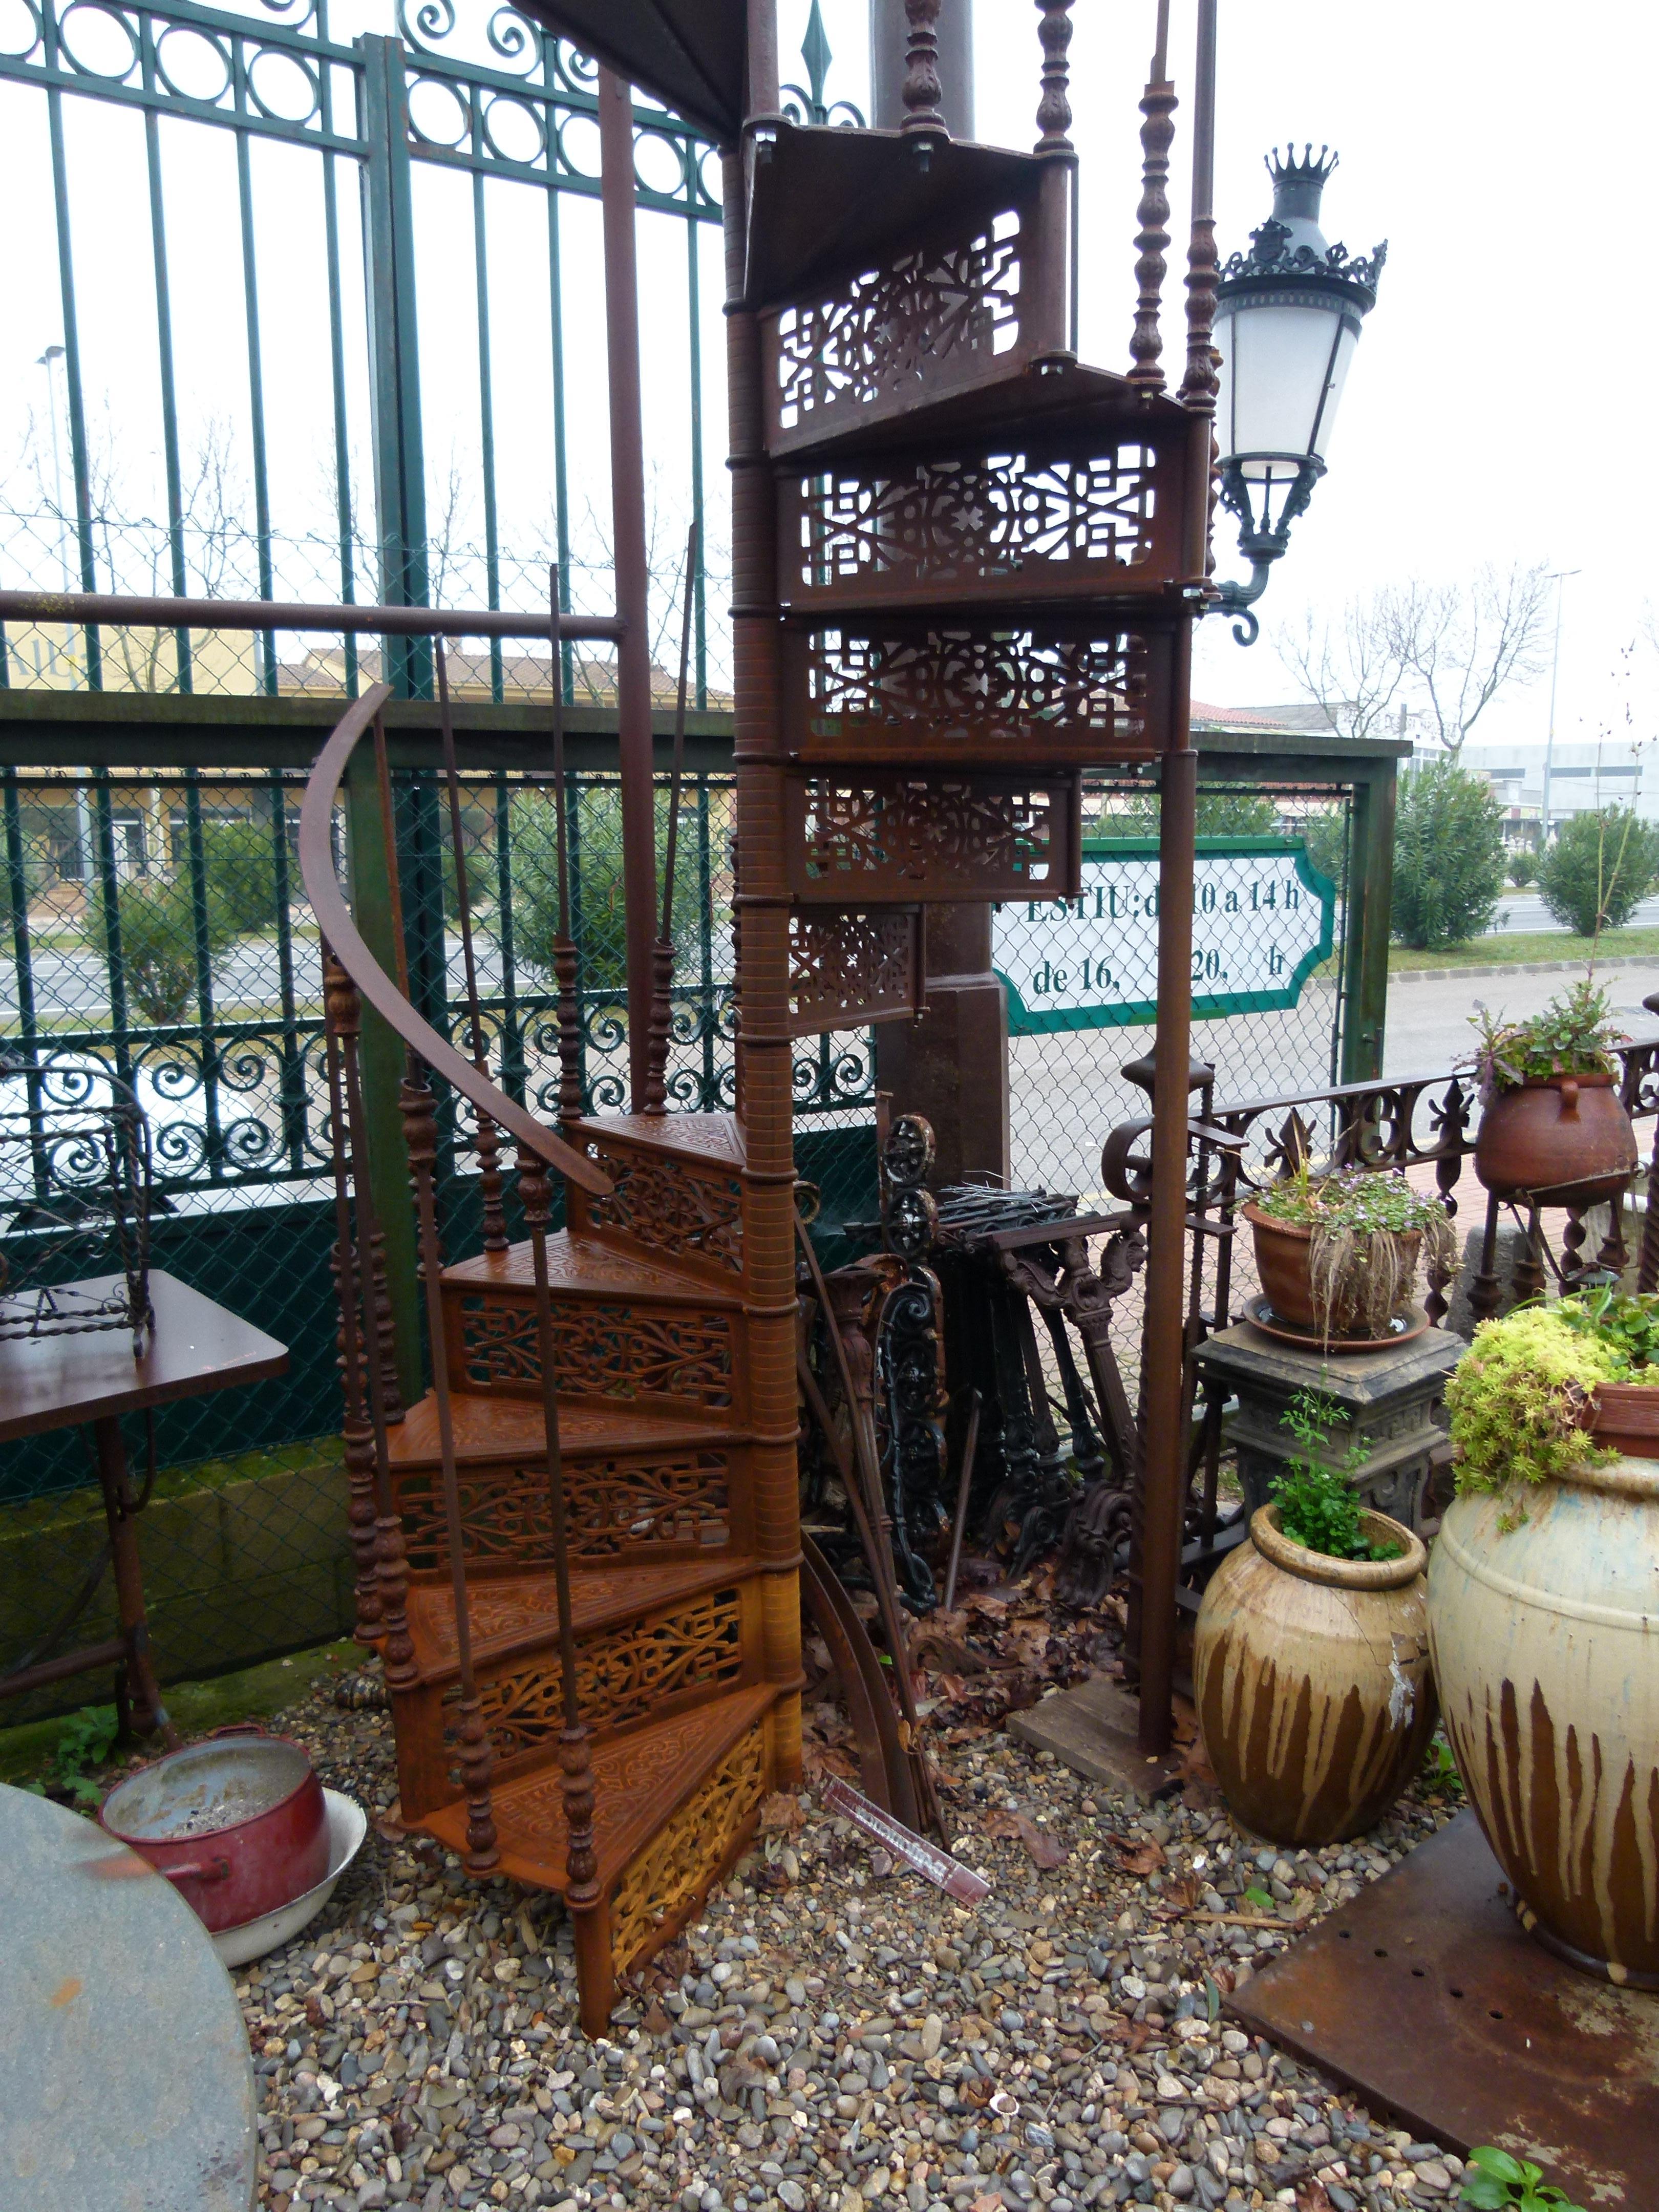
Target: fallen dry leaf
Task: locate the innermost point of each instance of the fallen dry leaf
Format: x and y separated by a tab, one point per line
1312	2196
1142	1858
781	1814
1046	1851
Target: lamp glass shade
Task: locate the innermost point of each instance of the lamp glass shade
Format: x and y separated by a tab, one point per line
1283	366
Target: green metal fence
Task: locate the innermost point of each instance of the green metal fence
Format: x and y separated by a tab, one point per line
346	290
158	931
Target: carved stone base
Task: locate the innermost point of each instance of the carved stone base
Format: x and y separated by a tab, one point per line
1388	1401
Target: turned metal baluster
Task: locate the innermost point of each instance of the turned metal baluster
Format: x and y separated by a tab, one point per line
564	947
390	1560
421	1136
357	1429
575	1764
1448	1171
487	1143
662	966
1199	384
922	90
1158	105
1053	113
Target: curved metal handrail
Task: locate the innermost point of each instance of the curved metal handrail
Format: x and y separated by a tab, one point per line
334	921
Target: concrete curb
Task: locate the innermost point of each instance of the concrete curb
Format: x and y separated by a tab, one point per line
1515	968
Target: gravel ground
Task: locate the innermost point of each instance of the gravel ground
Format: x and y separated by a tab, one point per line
832	2032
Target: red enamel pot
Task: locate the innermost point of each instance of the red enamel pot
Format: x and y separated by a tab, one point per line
237	1823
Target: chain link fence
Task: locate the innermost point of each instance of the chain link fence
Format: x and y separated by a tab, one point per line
1269	941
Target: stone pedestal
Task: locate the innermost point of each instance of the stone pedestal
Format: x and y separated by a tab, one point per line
1388	1401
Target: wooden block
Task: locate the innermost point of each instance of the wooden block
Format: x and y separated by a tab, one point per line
1092	1729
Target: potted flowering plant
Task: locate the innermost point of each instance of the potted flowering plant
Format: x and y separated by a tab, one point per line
1542	1619
1553	1124
1337	1254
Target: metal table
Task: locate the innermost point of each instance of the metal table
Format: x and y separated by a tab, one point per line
125	2083
61	1382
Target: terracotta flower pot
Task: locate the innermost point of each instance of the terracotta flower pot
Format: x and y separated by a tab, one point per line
1312	1680
1624	1417
1546	1646
1560	1133
1284	1253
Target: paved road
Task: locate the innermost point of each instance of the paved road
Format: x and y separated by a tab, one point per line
1428	1021
1526	910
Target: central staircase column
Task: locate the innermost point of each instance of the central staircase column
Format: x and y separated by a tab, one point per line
951	1064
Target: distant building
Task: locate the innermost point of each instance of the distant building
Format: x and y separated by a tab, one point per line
1582	778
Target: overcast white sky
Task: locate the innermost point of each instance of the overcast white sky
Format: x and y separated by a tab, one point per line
1497	408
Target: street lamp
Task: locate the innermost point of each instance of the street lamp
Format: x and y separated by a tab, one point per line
1287	320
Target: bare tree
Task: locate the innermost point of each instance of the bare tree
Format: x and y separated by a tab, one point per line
1465	644
1436	654
1348	667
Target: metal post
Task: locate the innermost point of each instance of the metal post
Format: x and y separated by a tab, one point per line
1560	580
622	325
394	359
1164	1473
382	1062
1370	893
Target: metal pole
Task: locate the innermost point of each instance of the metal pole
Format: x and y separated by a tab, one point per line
622	325
1560	580
1164	1468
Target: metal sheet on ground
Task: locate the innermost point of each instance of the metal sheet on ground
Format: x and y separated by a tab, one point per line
1424	1995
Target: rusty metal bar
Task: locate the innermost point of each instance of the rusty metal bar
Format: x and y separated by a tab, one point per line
486	1144
142	612
622	329
335	922
1164	1464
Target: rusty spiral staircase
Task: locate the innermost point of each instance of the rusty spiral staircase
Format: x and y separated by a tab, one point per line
965	567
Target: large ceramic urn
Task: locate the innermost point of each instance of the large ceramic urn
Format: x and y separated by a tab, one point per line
1545	1634
1312	1680
1563	1136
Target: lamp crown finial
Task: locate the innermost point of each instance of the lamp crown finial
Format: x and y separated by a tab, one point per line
1309	168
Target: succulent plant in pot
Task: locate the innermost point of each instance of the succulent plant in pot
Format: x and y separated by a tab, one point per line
1337	1254
1553	1123
1310	1654
1544	1619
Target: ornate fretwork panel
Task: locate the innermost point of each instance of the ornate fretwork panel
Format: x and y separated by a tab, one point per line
624	1674
852	968
668	1205
685	1854
968	695
1006	526
930	324
616	1508
851	836
600	1350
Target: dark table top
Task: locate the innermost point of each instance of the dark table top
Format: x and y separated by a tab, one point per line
54	1381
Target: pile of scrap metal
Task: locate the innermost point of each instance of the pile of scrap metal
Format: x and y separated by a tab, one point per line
930	1416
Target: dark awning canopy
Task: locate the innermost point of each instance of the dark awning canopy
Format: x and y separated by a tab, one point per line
687	53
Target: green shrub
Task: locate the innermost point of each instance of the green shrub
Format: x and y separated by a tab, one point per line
1599	869
1325	833
599	913
1448	856
239	871
155	919
1523	867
